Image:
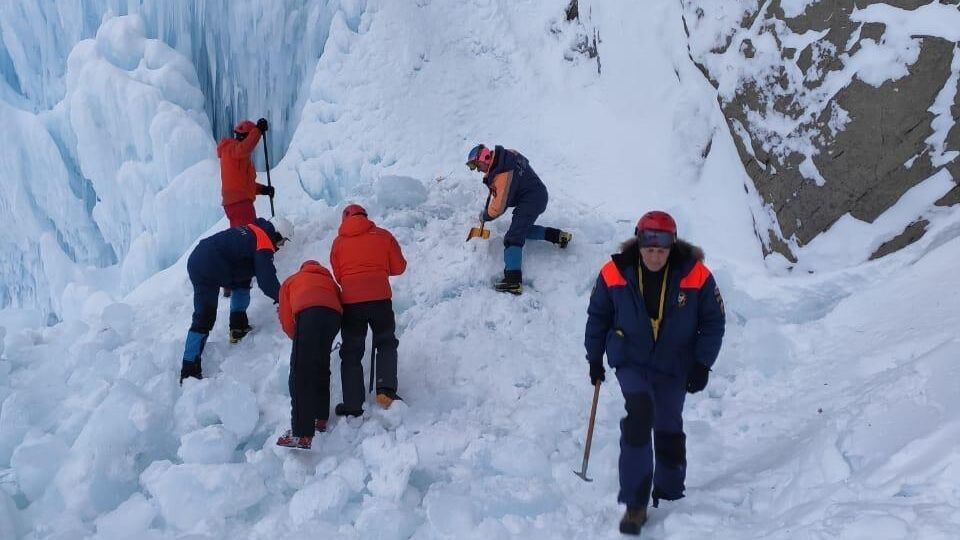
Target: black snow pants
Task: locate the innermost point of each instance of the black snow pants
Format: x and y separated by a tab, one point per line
310	368
378	315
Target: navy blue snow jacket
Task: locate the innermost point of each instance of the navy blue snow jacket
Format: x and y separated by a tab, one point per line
693	316
512	182
231	258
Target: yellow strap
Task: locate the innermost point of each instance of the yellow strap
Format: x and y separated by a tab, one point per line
655	323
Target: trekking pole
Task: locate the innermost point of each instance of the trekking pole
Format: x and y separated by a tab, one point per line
373	364
586	449
266	158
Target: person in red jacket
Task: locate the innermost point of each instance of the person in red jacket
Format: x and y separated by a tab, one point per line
363	258
238	177
310	313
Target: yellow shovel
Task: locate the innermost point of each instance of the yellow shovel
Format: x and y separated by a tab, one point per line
480	232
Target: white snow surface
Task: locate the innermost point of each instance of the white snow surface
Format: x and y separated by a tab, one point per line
832	411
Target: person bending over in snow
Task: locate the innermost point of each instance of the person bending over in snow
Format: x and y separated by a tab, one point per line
238	177
658	315
363	257
512	183
310	314
230	258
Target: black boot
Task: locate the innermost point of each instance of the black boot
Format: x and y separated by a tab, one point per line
191	369
556	236
239	326
511	282
658	495
341	410
632	520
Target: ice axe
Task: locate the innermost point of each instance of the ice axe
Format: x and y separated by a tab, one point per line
266	159
582	473
373	366
480	232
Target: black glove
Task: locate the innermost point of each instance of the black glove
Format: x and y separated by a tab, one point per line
266	190
697	378
597	373
262	125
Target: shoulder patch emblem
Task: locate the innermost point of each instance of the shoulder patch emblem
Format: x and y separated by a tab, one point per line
719	299
682	299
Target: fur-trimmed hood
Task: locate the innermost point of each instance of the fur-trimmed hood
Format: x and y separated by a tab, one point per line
680	252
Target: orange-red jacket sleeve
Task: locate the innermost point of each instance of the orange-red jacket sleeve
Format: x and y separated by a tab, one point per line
286	310
246	146
396	261
335	260
501	188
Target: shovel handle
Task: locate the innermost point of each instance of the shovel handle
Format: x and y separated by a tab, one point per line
480	232
485	206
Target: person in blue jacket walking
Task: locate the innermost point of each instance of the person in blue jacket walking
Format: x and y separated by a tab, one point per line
230	258
513	183
658	315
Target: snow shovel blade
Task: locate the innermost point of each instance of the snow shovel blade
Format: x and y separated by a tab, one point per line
477	232
583	476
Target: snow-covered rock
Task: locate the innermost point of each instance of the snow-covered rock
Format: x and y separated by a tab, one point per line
838	110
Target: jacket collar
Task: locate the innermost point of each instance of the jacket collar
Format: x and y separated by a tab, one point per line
683	256
494	163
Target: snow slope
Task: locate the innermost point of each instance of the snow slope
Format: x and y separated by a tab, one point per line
831	412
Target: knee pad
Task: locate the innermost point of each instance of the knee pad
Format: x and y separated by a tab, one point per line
638	423
385	342
351	350
203	320
671	449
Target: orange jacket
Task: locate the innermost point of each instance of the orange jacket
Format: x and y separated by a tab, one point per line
238	177
363	257
312	286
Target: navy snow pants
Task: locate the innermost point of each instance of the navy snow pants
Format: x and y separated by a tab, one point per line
654	403
206	294
523	228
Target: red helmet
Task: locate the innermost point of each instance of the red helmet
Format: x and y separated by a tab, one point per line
479	154
244	126
656	229
354	210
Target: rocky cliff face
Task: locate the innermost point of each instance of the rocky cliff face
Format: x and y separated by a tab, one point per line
837	106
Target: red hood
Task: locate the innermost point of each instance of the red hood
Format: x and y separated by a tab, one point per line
354	225
314	267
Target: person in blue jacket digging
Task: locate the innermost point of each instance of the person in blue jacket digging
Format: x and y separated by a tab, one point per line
657	314
230	258
514	184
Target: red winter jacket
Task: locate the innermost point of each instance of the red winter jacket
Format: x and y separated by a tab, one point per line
312	286
238	177
363	257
